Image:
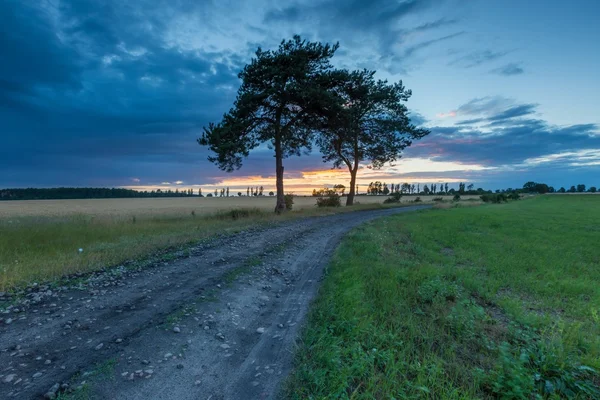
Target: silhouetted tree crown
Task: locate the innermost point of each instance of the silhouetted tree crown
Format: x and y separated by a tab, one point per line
277	103
534	187
368	121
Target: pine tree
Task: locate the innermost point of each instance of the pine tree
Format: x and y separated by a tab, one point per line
367	121
278	103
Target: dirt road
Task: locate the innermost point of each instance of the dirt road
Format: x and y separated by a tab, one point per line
218	322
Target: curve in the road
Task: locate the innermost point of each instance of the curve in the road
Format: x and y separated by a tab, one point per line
193	328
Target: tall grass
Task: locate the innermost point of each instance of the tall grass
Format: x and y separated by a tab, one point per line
38	248
42	248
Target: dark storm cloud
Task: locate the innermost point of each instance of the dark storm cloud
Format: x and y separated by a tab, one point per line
91	92
509	70
32	55
104	53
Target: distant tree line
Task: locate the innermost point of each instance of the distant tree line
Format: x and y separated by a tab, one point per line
534	187
114	193
382	188
258	191
374	188
87	193
379	188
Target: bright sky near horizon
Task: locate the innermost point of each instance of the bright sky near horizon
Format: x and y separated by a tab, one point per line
113	93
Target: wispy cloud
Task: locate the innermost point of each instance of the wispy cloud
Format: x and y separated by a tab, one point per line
411	50
485	105
449	114
477	58
494	111
380	29
514	112
510	69
578	158
439	23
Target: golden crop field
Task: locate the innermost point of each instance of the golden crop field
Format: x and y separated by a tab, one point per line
41	238
164	206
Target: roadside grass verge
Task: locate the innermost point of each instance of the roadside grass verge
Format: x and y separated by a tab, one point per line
34	249
498	301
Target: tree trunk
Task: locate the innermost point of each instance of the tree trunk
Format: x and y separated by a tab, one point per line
280	206
350	197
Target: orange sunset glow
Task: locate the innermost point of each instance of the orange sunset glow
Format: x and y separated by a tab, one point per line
414	170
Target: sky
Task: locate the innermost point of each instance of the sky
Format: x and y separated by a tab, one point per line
115	93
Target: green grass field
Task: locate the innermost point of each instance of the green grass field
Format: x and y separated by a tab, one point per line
497	301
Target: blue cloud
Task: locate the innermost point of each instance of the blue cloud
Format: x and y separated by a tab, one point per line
477	58
484	105
509	70
417	119
107	97
411	50
377	14
363	27
439	23
514	112
509	141
33	57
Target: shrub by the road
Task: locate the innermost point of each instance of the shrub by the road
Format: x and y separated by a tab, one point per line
328	198
494	198
456	197
289	201
514	196
394	198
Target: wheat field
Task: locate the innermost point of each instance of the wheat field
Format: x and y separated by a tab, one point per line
41	239
163	206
